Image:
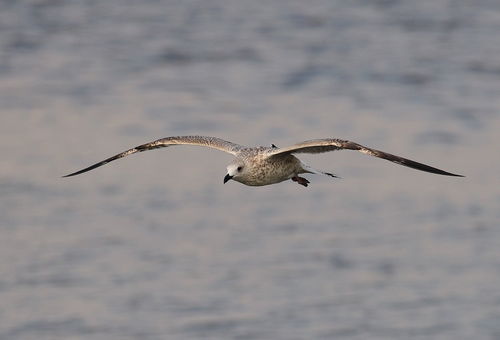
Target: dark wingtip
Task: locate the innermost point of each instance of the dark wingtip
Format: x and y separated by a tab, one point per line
72	174
445	173
86	169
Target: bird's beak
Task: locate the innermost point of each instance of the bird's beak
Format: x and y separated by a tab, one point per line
227	178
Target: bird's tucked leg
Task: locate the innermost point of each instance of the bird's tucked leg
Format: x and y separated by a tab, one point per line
300	180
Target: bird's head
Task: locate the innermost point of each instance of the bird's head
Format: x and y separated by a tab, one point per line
236	171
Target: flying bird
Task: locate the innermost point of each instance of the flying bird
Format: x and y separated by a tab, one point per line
258	166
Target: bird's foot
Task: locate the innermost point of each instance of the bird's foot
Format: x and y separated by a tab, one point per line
300	180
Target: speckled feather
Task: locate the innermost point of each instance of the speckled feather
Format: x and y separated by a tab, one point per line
258	166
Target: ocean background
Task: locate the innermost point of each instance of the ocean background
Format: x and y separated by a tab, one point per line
154	246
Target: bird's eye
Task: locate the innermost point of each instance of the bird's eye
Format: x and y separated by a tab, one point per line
239	168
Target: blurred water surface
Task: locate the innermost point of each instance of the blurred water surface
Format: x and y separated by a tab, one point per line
155	247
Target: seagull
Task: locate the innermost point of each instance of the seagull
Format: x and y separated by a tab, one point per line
258	166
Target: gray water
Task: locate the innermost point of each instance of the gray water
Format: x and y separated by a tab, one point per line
154	246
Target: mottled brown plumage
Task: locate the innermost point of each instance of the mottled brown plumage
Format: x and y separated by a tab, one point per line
259	166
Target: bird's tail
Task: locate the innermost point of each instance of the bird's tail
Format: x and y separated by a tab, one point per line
310	170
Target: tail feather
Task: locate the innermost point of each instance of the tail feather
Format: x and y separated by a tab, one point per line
308	169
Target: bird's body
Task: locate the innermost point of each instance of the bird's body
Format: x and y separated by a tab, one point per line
258	166
261	170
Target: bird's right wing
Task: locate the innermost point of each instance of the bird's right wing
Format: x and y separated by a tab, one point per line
211	142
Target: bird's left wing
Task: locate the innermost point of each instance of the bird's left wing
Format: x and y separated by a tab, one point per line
329	144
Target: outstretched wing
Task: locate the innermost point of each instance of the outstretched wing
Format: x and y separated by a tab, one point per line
325	145
211	142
